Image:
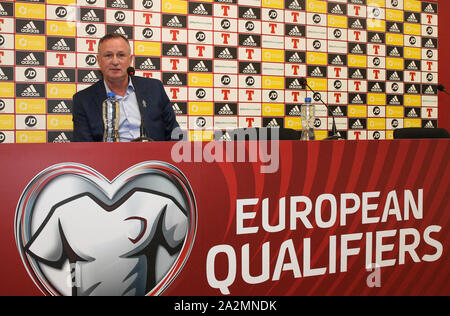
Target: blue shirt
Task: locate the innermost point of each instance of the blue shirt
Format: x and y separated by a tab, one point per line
130	117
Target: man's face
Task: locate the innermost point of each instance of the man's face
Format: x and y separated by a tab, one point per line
114	58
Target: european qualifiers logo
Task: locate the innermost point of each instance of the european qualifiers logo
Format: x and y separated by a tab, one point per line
90	236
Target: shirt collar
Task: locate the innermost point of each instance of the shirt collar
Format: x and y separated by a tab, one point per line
130	87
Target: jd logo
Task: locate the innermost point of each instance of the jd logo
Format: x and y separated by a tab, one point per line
83	235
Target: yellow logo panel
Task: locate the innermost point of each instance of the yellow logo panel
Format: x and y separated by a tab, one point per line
318	84
273	55
273	82
413	100
201	80
7	89
376	3
394	39
413	53
376	123
293	123
337	21
30	11
412	5
175	6
199	136
61	28
30	106
316	6
413	29
275	4
395	63
61	91
357	61
7	122
321	135
412	123
273	109
31	137
30	42
147	48
394	15
395	111
201	108
66	2
376	25
376	99
317	58
59	122
357	111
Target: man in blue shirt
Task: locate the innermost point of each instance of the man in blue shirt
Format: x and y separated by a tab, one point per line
140	94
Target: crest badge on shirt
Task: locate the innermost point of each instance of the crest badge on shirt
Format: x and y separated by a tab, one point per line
80	234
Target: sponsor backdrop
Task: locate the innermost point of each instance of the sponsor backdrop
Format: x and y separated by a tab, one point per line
227	64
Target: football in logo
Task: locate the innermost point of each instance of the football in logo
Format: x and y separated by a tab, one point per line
80	234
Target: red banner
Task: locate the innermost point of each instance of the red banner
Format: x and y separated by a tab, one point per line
224	218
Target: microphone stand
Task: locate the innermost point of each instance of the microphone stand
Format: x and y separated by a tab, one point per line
335	135
143	138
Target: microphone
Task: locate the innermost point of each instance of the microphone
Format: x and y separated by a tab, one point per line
441	87
335	135
142	104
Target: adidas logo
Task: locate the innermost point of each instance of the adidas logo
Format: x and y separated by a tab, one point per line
295	111
294	5
90	16
357	50
357	125
394	53
376	39
357	75
61	77
316	72
61	45
2	11
394	77
250	42
249	14
174	22
176	109
174	51
273	124
225	54
61	107
394	101
429	90
30	60
3	76
61	138
337	10
91	77
30	28
250	69
429	44
295	85
120	4
394	28
226	110
429	125
295	59
357	25
337	61
338	112
201	67
376	88
200	10
412	90
357	100
225	137
295	32
147	65
121	31
412	66
412	113
429	9
175	81
30	92
412	18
